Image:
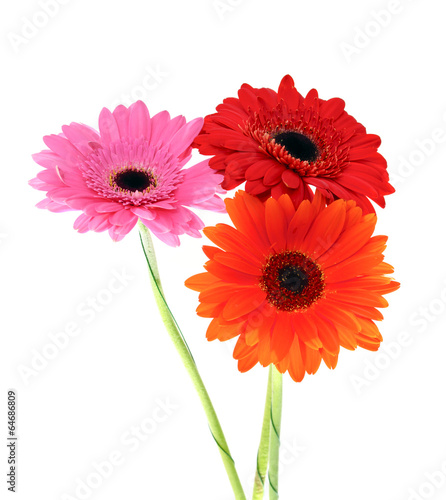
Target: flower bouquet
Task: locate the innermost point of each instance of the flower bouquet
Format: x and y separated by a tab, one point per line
295	277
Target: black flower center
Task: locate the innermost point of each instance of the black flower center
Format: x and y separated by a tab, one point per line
134	180
292	281
292	278
298	145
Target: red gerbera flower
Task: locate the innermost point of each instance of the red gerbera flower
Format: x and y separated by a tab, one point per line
280	142
294	286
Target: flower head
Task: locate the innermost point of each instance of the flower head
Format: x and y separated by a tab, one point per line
281	142
132	169
293	286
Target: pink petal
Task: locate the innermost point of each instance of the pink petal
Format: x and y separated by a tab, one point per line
106	207
161	224
199	185
46	158
185	136
99	223
108	128
118	232
122	218
170	130
53	206
144	213
37	184
62	147
159	124
139	122
81	135
80	202
50	177
121	114
168	238
215	204
81	223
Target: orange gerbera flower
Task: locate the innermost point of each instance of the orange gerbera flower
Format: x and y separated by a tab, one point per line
294	286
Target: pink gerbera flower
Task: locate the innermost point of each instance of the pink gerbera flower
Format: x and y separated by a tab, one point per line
132	169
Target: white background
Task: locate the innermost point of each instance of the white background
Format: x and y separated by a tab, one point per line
353	433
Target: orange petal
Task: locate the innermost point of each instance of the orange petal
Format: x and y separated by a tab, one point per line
264	350
288	207
325	229
248	214
276	225
311	357
242	219
331	360
235	261
299	225
282	336
352	267
210	251
228	275
306	329
361	311
231	240
296	367
258	325
369	329
198	282
222	332
283	365
360	297
248	361
328	335
209	310
349	242
373	282
243	302
241	350
339	316
369	344
219	292
382	268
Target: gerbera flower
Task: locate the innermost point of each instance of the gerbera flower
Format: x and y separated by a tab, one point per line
293	286
130	170
280	142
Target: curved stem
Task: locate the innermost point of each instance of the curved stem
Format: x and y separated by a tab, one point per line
276	417
263	453
189	363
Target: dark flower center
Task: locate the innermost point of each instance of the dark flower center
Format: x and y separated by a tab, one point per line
292	281
134	180
292	278
298	145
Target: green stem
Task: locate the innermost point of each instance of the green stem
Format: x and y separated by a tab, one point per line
189	363
276	417
263	453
